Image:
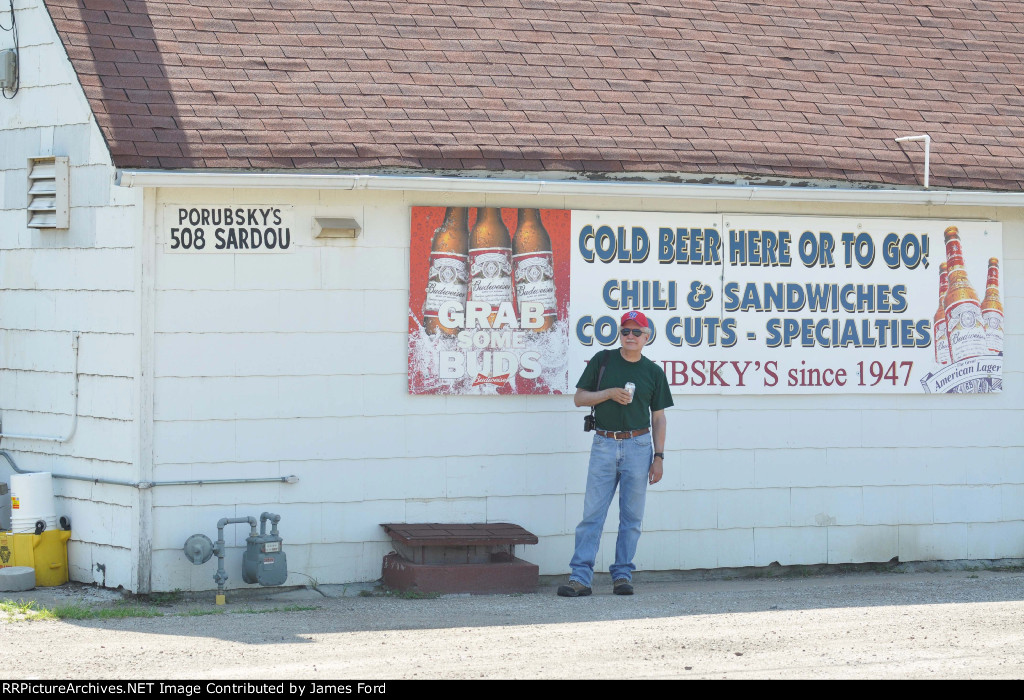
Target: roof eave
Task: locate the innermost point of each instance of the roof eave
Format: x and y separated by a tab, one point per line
740	190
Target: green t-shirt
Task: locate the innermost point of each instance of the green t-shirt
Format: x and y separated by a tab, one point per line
652	392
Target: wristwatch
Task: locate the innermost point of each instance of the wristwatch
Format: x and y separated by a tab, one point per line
660	454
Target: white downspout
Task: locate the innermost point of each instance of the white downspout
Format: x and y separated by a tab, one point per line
927	150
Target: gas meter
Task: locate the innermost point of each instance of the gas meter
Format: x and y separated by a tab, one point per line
264	562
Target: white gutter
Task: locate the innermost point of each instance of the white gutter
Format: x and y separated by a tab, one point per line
593	188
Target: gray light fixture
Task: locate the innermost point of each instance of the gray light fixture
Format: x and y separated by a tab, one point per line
335	228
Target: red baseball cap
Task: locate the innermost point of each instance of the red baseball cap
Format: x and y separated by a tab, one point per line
636	317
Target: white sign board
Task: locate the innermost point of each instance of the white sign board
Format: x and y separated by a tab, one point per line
207	228
756	304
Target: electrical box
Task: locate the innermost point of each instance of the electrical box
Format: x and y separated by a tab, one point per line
8	69
264	561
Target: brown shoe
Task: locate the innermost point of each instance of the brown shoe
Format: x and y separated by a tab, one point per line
622	587
574	589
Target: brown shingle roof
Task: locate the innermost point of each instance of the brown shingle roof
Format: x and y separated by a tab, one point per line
784	88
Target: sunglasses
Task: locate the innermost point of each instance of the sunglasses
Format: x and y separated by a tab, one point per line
633	331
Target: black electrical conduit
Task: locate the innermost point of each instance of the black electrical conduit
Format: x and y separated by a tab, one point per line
150	484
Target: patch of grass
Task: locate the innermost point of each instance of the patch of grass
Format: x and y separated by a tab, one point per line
801	572
167	598
413	595
22	610
76	611
16	608
198	612
118	613
287	608
73	611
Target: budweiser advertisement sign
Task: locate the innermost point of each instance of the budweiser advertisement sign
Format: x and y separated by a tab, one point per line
516	301
489	301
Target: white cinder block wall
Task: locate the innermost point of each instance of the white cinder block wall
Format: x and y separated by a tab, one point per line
295	363
53	282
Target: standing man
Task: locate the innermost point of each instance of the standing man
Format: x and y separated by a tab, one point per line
627	452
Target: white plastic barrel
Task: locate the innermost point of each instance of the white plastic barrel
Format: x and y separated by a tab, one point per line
31	501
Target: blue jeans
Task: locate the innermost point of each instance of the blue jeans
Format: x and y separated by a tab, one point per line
613	463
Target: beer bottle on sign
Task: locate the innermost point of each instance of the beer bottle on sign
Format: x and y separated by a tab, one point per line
448	279
490	260
963	311
992	309
533	264
942	355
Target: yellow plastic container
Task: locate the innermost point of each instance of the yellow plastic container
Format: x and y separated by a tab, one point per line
46	553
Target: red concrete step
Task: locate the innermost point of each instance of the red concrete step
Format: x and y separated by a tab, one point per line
458	558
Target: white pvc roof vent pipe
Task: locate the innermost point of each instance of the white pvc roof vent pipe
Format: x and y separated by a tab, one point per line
927	150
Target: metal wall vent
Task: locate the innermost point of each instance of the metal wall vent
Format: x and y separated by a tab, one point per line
48	192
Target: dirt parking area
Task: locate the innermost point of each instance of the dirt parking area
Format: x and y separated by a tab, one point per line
939	624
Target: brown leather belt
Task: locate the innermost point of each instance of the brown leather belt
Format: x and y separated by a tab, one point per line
623	434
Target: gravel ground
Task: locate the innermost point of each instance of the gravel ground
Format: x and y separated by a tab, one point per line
953	623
